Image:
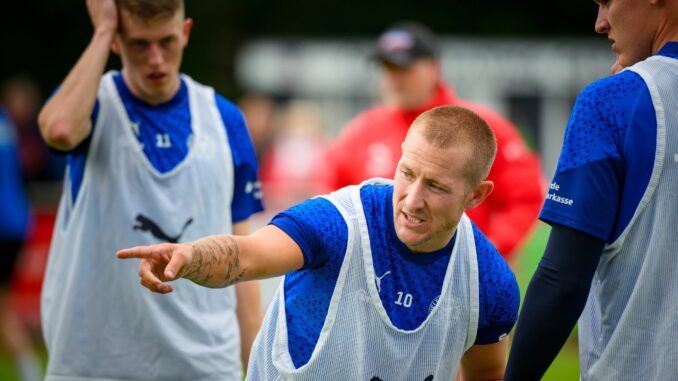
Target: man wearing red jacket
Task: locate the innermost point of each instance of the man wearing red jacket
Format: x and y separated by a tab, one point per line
369	146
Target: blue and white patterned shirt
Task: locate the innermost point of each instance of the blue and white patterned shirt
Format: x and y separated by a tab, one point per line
165	132
321	233
607	156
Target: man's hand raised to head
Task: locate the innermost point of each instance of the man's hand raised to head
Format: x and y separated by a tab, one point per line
104	14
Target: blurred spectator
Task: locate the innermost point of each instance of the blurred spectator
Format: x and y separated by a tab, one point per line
15	221
22	101
294	168
258	110
369	146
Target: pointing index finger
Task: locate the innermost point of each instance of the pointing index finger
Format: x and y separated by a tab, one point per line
140	252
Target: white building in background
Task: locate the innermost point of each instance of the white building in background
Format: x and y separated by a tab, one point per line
533	82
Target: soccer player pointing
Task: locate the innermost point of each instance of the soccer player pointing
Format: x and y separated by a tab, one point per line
384	280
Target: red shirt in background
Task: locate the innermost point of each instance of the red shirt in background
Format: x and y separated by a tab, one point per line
369	146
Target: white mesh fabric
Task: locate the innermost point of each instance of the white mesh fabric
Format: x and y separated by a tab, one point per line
629	329
358	341
99	324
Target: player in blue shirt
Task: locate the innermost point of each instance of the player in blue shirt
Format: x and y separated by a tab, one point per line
153	156
15	221
611	256
15	224
385	280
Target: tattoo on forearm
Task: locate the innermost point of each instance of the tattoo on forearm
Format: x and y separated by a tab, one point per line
216	262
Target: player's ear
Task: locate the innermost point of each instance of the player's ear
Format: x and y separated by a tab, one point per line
186	31
115	45
479	193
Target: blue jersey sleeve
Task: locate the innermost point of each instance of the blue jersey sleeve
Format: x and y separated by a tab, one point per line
247	189
317	227
499	293
77	157
609	146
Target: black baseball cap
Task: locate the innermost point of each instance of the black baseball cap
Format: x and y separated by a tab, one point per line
404	42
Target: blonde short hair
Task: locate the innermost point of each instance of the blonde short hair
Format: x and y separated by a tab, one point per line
448	126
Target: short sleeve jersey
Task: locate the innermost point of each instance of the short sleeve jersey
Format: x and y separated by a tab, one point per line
321	233
166	134
607	157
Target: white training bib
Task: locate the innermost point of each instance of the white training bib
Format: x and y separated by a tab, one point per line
358	341
629	328
98	322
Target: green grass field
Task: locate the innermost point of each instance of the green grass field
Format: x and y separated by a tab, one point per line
564	368
7	371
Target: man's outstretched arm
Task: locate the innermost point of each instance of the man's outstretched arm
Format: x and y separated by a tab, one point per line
554	301
217	261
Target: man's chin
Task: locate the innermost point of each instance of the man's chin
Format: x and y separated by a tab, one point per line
412	243
156	93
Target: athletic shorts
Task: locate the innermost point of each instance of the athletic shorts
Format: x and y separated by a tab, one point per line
9	252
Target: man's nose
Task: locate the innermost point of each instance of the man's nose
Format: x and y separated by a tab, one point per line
394	75
414	199
155	56
602	25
